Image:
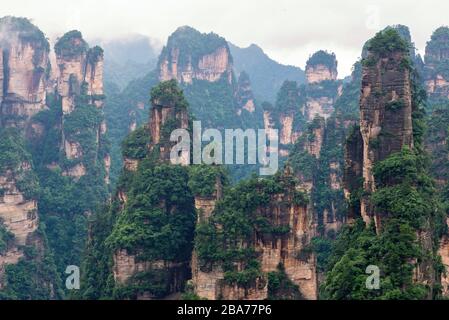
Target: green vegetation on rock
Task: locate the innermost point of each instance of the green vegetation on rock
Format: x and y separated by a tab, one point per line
71	45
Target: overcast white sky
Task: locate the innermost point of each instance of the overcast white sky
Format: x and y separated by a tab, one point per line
288	30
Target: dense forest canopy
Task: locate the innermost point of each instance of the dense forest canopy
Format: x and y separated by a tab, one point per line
86	179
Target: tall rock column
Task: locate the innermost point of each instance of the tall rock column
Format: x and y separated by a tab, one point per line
167	114
154	269
436	60
385	174
322	86
23	71
385	114
244	94
286	115
206	281
80	86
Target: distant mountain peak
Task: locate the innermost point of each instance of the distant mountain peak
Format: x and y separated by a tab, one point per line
190	54
267	75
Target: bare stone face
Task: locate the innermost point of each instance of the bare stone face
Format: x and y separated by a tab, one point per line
318	73
24	81
210	67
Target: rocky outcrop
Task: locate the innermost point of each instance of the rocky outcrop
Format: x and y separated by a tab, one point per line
286	134
436	143
436	59
291	249
385	115
321	66
315	140
297	106
322	86
165	112
207	284
18	214
185	60
133	121
353	172
76	172
126	266
131	164
387	110
335	181
130	265
286	115
320	106
107	166
244	94
80	71
443	252
39	99
79	82
73	150
24	61
320	72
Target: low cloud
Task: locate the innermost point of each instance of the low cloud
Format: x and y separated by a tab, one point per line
288	29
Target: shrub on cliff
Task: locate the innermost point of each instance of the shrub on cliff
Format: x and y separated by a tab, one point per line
71	45
168	93
323	57
387	41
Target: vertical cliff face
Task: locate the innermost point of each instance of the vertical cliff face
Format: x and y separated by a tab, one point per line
23	72
309	125
305	161
436	60
353	172
280	230
206	282
80	70
71	55
187	57
296	106
320	67
385	113
244	94
18	208
58	131
286	115
24	75
80	87
443	252
202	64
315	140
322	85
291	250
436	143
145	267
383	181
436	77
20	233
167	114
330	184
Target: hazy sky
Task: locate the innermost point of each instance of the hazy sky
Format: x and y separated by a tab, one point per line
288	30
